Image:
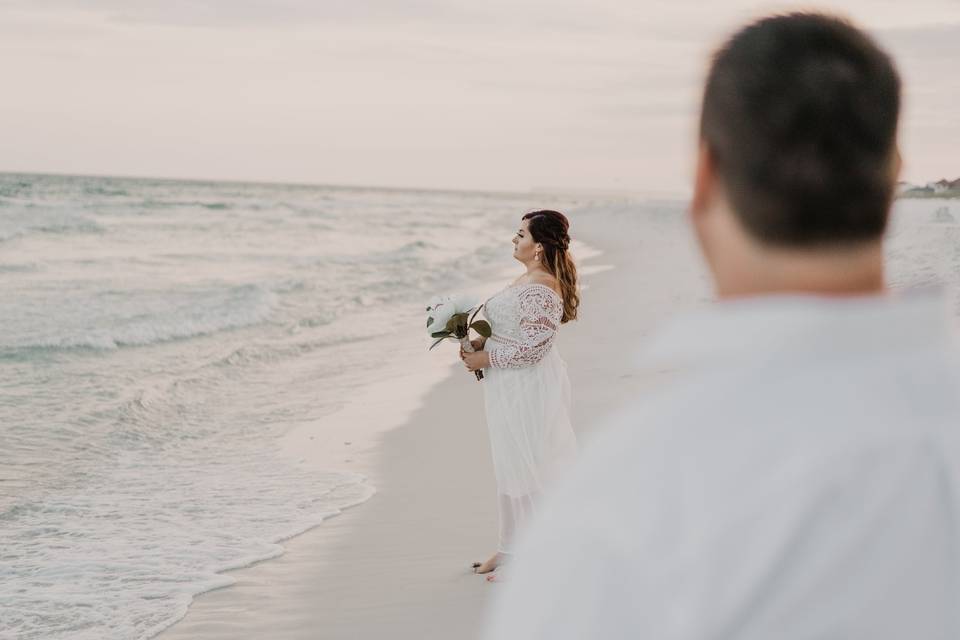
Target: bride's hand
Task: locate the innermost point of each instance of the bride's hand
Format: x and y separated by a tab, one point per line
476	343
476	360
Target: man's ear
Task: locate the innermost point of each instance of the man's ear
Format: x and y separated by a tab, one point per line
703	182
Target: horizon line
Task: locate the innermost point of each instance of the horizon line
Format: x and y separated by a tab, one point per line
570	191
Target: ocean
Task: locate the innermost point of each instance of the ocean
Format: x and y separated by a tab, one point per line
158	339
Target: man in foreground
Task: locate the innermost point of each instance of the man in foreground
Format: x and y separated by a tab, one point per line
800	477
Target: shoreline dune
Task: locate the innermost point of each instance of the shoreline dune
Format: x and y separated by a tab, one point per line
398	565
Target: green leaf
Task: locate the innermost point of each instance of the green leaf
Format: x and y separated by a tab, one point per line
436	343
440	334
482	327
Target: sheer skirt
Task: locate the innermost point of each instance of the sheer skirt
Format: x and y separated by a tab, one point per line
531	439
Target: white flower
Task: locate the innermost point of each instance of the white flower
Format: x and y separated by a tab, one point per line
435	300
441	308
464	303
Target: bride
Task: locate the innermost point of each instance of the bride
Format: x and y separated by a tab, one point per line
526	390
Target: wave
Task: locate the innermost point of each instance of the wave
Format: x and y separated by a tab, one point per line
14	188
27	223
173	204
140	319
98	190
140	594
405	256
27	267
272	353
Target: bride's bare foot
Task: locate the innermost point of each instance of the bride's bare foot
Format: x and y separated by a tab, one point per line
486	567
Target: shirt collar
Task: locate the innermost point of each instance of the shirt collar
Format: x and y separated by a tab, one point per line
748	328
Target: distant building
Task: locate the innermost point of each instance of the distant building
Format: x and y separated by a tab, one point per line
941	189
940	186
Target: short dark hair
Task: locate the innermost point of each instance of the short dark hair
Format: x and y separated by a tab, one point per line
800	118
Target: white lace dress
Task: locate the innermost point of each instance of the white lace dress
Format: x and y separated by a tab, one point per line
527	397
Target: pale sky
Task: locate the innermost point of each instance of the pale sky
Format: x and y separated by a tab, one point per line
512	95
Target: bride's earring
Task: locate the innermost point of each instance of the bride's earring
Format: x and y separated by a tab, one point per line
536	256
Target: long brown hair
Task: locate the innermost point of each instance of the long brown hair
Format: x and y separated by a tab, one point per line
551	230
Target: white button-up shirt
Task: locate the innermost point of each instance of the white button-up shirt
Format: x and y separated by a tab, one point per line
796	477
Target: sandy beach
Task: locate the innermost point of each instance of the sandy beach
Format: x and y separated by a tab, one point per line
398	565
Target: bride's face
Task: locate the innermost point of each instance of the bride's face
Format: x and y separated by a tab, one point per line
524	248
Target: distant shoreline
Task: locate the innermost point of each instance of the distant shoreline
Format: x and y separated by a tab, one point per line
943	195
941	189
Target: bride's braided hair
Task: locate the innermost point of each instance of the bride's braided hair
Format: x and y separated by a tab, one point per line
551	230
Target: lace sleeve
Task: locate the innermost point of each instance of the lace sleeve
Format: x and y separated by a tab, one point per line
540	310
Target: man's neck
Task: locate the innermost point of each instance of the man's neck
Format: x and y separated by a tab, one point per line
835	272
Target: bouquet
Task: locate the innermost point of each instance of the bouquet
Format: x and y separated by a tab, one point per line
451	318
